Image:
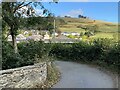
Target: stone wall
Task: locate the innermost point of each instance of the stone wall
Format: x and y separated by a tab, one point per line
24	77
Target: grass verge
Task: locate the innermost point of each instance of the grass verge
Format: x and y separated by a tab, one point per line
53	75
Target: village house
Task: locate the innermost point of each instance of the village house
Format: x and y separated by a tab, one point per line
19	38
75	33
46	36
26	32
35	37
65	33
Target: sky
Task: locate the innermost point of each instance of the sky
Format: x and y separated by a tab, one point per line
63	0
106	11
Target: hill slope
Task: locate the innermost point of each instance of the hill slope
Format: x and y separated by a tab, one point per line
104	29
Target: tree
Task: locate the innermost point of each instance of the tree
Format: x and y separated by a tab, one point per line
79	16
67	16
59	32
88	33
14	12
81	34
40	23
95	28
50	28
91	30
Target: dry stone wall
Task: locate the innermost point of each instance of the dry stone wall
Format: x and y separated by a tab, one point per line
24	77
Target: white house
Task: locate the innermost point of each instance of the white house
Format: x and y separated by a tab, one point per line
56	34
26	32
46	36
65	33
75	34
20	37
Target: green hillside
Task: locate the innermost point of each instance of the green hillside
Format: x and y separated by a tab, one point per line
104	29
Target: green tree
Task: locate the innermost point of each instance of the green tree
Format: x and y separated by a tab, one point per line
13	13
79	16
81	34
91	30
50	28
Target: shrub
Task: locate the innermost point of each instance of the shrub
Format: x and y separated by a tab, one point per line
73	37
29	53
34	51
101	51
113	56
61	50
9	58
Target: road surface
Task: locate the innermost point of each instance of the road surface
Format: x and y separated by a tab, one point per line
75	75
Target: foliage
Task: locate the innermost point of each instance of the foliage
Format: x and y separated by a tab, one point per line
113	56
29	53
50	28
13	14
35	51
60	21
100	51
5	28
81	34
81	16
53	75
72	36
9	58
91	30
39	23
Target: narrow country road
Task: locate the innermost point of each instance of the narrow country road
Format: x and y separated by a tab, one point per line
75	75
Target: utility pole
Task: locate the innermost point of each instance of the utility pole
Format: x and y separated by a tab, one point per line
54	28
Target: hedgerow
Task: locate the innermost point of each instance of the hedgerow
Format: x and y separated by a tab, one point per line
102	51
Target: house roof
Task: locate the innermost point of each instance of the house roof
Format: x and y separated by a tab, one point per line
63	39
35	37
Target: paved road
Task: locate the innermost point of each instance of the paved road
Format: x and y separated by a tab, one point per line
75	75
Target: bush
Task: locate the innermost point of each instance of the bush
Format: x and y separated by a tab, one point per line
34	51
113	56
73	37
61	50
100	51
9	58
29	53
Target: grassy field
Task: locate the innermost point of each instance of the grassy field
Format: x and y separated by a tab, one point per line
105	29
104	35
72	30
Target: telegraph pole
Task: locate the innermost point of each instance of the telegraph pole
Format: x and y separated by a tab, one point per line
54	28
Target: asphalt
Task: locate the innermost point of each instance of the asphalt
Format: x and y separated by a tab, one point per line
74	75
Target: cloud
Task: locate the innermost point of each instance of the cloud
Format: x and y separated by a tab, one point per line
73	13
